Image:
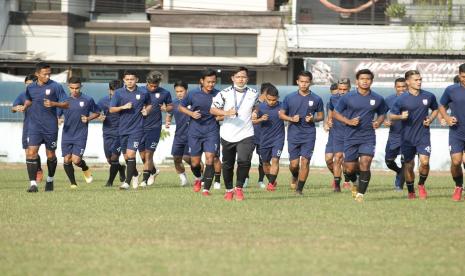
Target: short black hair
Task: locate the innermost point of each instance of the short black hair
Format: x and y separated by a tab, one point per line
333	86
264	87
180	83
462	68
239	69
114	84
272	91
399	80
207	73
456	79
129	73
30	77
364	72
41	65
154	77
410	73
305	74
74	80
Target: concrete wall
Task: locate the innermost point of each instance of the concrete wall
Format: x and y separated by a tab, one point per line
79	7
4	19
229	5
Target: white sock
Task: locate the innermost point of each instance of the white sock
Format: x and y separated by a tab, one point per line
205	190
33	183
359	194
229	190
49	179
183	176
198	178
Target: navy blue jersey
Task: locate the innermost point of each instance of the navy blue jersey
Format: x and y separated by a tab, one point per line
353	105
111	123
338	127
20	101
181	119
454	98
272	130
294	104
158	97
74	130
396	126
44	119
198	100
131	120
256	132
418	108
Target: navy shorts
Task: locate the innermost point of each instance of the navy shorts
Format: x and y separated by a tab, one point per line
131	141
329	144
392	148
180	147
111	145
150	139
199	145
24	138
456	144
353	151
266	154
36	139
74	148
423	147
297	150
338	142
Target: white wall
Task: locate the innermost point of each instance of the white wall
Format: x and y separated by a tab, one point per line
268	51
79	7
11	147
228	5
4	18
47	42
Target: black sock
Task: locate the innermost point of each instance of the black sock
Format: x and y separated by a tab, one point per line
197	171
153	170
391	164
272	178
52	166
295	174
352	177
83	165
363	181
422	179
300	185
122	172
114	168
261	173
268	176
217	177
131	168
458	180
69	170
208	176
31	165
39	163
410	187
145	176
337	181
346	177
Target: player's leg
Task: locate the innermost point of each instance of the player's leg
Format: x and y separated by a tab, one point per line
131	144
245	149
77	153
329	153
209	171
217	166
306	153
228	161
66	150
365	175
423	171
337	171
294	163
50	147
456	146
266	156
408	152
32	164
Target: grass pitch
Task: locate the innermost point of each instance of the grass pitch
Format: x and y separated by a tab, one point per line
167	229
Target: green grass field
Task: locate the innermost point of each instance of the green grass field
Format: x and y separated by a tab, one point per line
167	229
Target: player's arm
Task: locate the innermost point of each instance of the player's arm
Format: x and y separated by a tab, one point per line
217	107
341	118
194	114
258	117
396	114
320	116
168	118
168	107
219	118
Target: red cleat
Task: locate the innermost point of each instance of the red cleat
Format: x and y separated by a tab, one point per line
411	196
333	184
346	185
270	187
206	193
197	185
422	192
228	196
457	196
39	175
239	194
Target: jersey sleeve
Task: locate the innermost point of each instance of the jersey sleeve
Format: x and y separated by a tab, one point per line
147	99
168	99
320	106
28	94
382	108
434	103
187	100
342	104
115	100
445	98
285	105
218	101
19	100
61	94
396	106
94	108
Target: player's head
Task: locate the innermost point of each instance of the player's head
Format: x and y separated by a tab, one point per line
343	85
272	95
43	72
364	78
400	85
180	88
462	74
130	79
304	80
113	85
153	80
240	77
74	85
413	79
30	79
456	79
333	88
208	79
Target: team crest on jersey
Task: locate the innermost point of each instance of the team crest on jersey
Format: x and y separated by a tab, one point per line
47	91
188	107
138	97
81	104
157	95
372	102
310	103
425	101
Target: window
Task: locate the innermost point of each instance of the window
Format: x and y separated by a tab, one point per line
111	44
40	5
218	45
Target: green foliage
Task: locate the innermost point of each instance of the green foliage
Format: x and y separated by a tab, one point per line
395	10
164	134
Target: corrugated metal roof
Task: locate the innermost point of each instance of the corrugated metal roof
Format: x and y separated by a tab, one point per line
374	51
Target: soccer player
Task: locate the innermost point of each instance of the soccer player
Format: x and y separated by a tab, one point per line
203	133
82	109
111	143
357	111
302	109
454	98
271	141
337	130
43	97
394	139
329	154
18	106
412	108
236	104
132	103
160	99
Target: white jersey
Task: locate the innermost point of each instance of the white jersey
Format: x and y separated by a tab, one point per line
236	128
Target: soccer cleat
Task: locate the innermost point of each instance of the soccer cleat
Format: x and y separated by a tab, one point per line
457	196
135	182
246	183
73	186
206	193
293	186
354	190
124	186
299	192
217	185
228	196
239	194
333	184
108	184
33	189
143	184
411	196
359	197
49	186
346	185
422	192
152	177
261	185
337	189
270	187
184	183
197	185
88	176
39	175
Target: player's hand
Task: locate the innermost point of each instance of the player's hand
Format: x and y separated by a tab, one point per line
60	121
20	108
84	119
48	103
254	116
427	122
167	125
376	124
264	117
231	112
102	117
404	115
309	118
219	118
450	120
127	106
354	121
196	114
387	123
144	111
295	118
163	107
326	126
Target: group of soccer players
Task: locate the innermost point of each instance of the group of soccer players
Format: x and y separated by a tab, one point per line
238	120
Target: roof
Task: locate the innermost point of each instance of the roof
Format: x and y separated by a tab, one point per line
302	52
